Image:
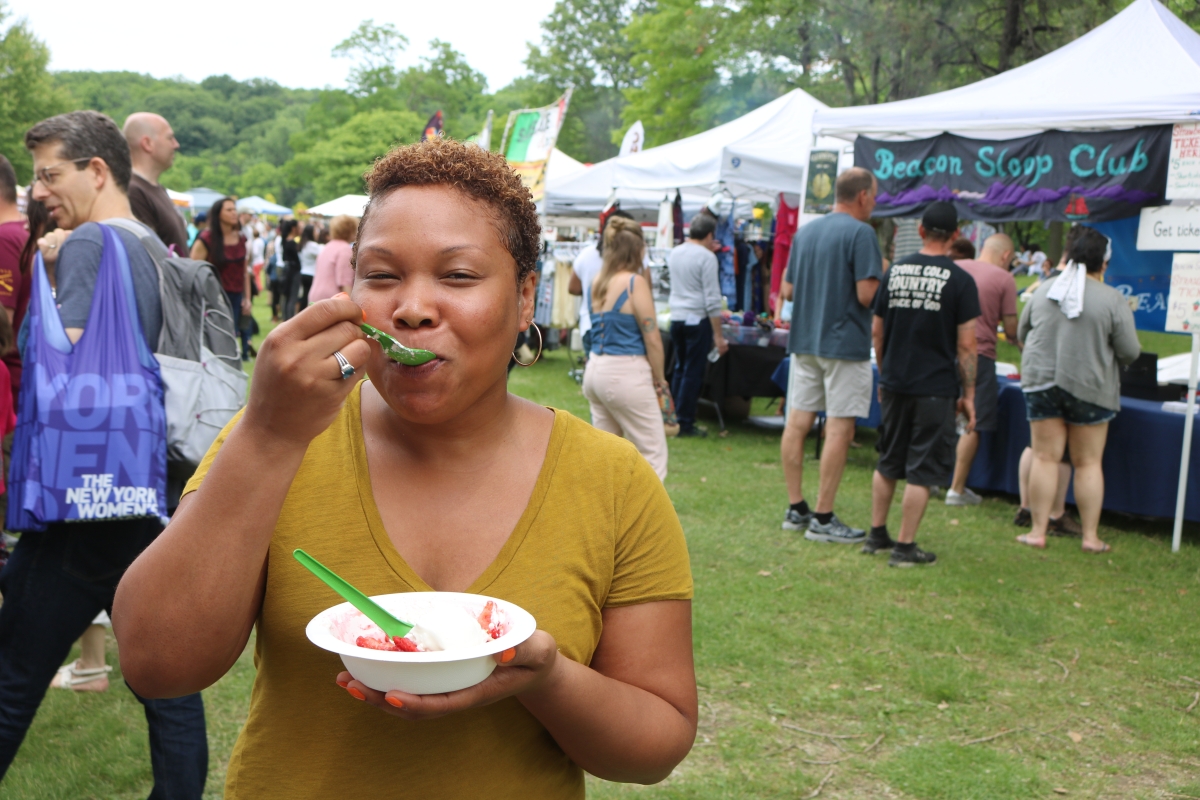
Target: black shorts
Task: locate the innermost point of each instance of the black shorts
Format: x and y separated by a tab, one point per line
917	439
987	395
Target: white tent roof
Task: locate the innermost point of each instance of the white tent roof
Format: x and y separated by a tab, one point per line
260	205
350	204
762	153
1142	67
561	167
756	156
586	193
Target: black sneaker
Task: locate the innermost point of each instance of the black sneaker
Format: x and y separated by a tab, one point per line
698	433
872	545
1024	518
834	531
910	558
795	521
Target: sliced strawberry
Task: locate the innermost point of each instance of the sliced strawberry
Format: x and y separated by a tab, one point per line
405	645
485	616
375	644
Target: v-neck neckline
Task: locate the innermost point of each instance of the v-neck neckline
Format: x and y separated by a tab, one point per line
362	476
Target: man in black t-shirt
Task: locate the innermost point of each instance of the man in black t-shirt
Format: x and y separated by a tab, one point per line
924	334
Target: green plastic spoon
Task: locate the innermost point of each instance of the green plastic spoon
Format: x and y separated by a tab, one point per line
396	351
371	610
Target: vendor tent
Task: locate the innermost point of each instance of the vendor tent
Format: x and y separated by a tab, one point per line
587	193
349	204
755	157
203	198
562	167
180	199
260	205
1142	67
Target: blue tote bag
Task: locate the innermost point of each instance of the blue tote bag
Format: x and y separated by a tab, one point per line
91	437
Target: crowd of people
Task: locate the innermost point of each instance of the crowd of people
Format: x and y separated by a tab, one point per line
936	316
101	223
919	333
58	584
928	324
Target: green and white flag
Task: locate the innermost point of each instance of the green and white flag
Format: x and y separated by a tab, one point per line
529	139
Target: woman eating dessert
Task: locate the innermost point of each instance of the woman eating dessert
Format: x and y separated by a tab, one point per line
424	478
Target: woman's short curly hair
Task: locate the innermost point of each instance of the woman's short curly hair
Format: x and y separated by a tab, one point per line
485	176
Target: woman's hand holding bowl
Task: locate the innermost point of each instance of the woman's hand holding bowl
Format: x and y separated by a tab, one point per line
520	669
299	387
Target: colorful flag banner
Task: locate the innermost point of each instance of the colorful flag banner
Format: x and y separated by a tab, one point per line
529	139
433	128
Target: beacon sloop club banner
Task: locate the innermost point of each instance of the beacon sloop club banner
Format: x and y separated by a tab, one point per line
1056	175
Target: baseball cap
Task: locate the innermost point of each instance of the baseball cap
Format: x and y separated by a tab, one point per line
941	217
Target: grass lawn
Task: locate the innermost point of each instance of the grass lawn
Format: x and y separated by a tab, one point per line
1000	672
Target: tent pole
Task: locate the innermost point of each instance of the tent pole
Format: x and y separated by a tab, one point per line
1185	461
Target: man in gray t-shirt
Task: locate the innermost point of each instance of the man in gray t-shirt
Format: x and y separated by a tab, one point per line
59	578
832	274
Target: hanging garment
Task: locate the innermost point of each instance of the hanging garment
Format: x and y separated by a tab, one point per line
749	301
787	219
665	236
726	272
677	214
91	438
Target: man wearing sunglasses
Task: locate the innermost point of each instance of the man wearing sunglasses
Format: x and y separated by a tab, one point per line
59	579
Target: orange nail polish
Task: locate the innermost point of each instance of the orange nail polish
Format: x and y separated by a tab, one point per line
508	655
394	701
356	694
342	684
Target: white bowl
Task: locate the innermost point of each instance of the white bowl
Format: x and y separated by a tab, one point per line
422	673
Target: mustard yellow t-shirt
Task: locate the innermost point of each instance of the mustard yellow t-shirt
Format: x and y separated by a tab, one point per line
599	531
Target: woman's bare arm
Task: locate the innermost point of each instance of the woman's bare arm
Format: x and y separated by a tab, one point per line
631	715
185	608
647	317
199	251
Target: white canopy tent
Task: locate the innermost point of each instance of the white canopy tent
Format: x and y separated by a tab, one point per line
1142	67
755	157
349	204
260	205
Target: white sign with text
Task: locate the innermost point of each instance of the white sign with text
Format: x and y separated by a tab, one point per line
1183	302
1183	168
1175	228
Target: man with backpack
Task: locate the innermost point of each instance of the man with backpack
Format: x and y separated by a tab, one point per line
62	574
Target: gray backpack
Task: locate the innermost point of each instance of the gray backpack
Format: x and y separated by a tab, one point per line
198	350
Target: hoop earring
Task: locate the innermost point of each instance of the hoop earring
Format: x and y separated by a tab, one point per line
541	342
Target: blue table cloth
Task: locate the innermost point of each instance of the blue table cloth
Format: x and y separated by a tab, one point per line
1141	459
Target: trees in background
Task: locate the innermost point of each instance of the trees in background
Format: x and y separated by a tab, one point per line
680	66
27	91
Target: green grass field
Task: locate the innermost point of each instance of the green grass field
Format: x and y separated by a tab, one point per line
1000	672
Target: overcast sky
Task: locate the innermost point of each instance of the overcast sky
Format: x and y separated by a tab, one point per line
288	42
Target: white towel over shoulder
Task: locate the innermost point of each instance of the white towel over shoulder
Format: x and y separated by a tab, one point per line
1068	290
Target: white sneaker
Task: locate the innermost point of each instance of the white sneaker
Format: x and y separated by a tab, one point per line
967	498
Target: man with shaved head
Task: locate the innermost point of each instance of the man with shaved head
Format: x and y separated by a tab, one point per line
152	147
997	304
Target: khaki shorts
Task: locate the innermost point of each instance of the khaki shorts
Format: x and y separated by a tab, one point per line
839	388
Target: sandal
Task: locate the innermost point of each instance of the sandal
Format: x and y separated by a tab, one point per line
1026	539
69	676
1104	547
